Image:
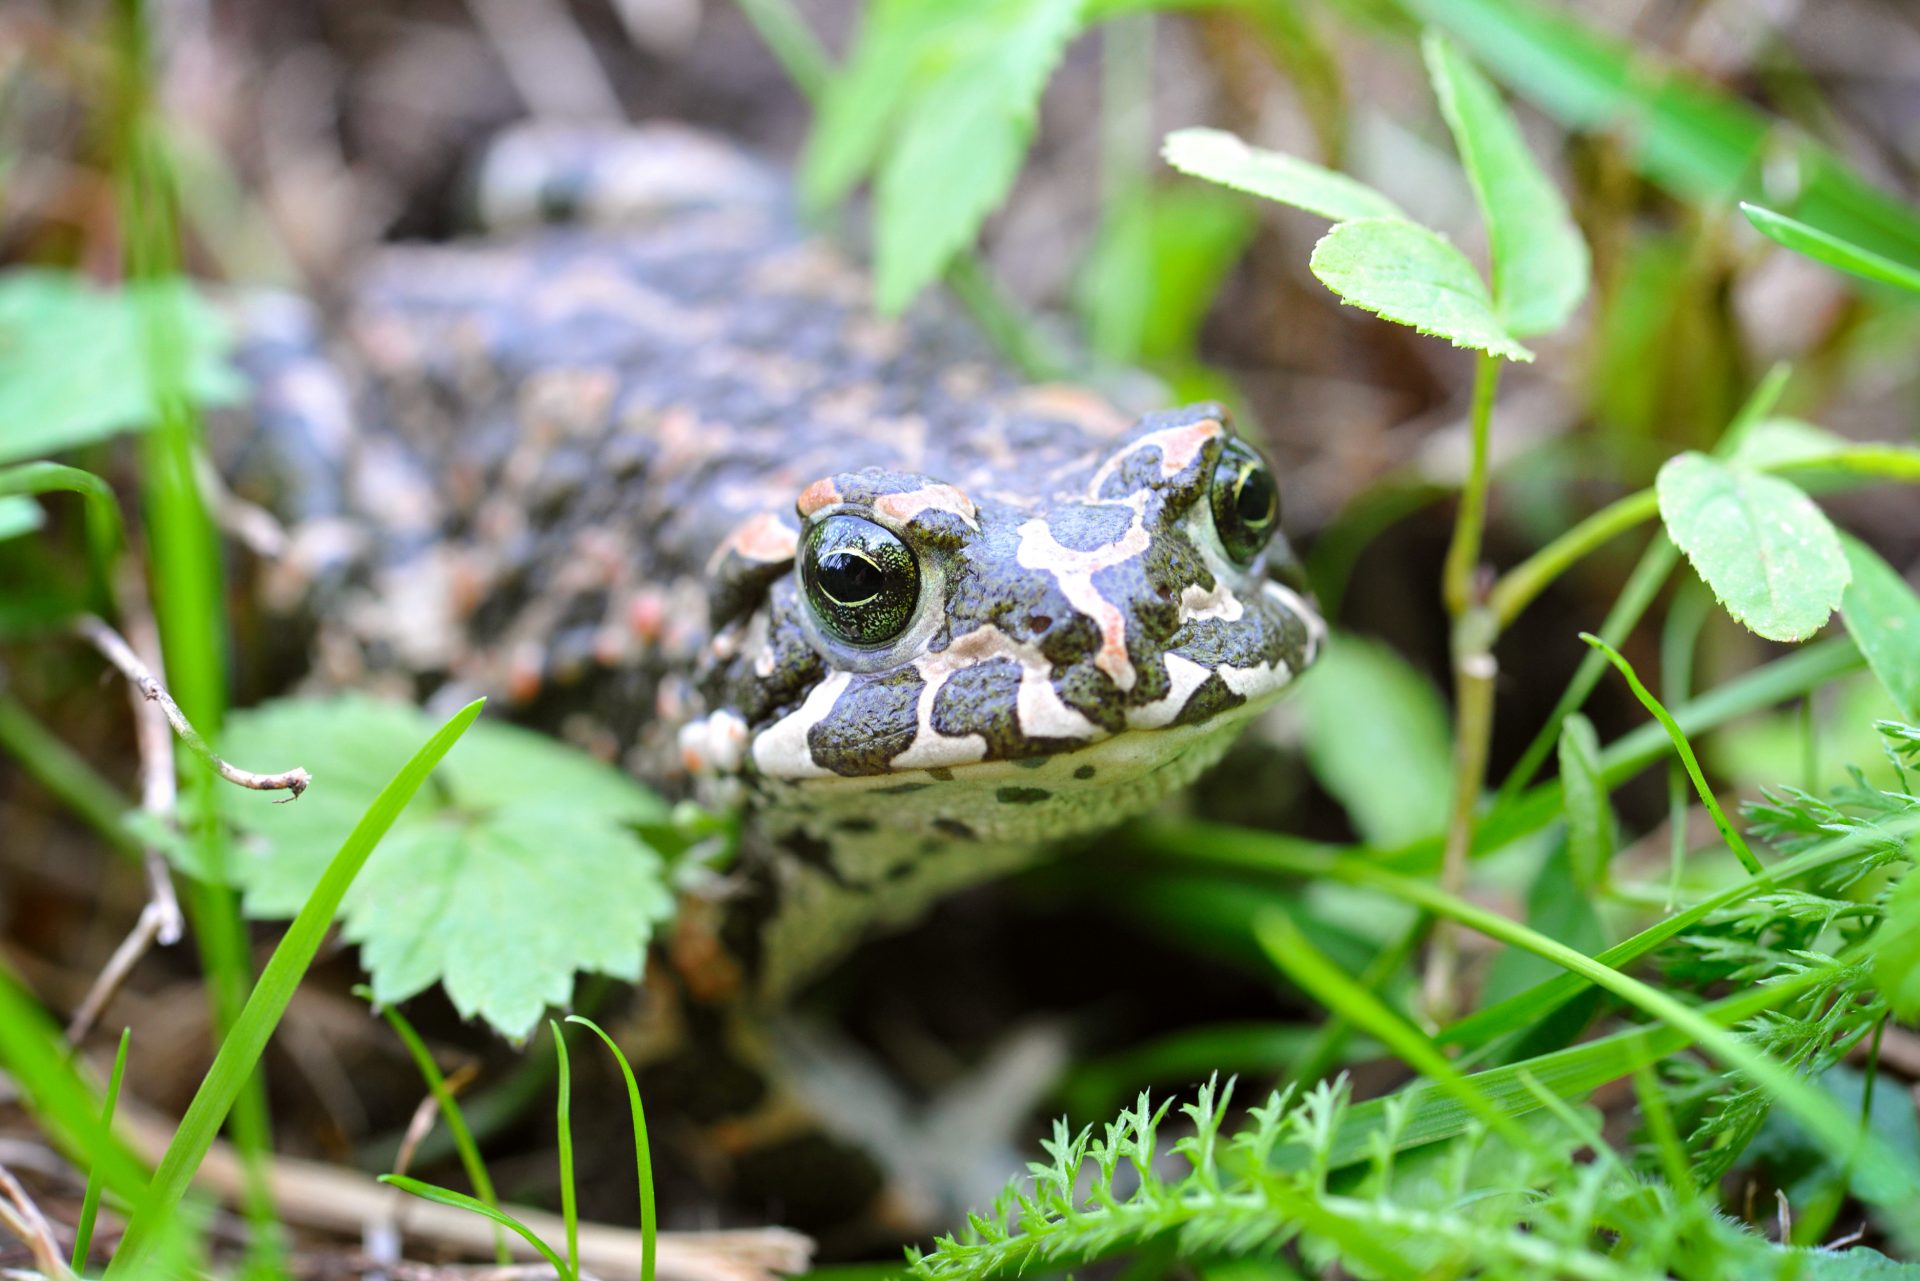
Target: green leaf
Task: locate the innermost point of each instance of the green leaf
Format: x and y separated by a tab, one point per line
962	139
74	366
1156	268
897	39
19	516
1767	550
1412	276
1895	947
461	1201
1857	1264
1377	738
520	839
1700	143
1773	443
1590	828
1540	261
1835	251
1221	157
240	1050
1882	614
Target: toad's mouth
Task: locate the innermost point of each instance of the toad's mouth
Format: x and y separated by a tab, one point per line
1044	797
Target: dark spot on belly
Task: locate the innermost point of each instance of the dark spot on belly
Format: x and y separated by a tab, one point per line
856	824
1084	773
1021	795
955	828
1030	762
901	789
941	774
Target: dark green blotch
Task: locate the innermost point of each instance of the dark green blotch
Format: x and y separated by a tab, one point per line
1212	698
870	724
1084	773
901	789
1021	795
955	828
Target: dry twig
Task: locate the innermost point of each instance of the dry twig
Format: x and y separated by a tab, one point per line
160	921
116	651
20	1216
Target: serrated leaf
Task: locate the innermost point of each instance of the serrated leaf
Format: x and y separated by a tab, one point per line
1219	156
1403	272
1834	251
74	367
1766	549
514	869
1540	261
1882	614
962	140
1377	738
19	516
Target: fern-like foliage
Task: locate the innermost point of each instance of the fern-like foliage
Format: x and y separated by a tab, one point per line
1564	1206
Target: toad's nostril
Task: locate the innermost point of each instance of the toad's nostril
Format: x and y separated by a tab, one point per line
1039	622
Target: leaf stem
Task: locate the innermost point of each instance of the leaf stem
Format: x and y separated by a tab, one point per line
1463	553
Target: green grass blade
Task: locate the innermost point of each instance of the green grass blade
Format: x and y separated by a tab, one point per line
1699	143
449	1106
90	1199
1728	832
1524	1009
1889	1181
461	1201
563	1115
1327	983
642	1154
1835	251
240	1050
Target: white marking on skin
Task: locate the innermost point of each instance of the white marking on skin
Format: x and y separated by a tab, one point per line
713	745
781	751
1037	705
762	537
1290	601
821	493
1074	572
1178	447
1251	682
946	498
1198	602
1185	676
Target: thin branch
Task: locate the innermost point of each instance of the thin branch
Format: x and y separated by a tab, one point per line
116	651
160	921
20	1216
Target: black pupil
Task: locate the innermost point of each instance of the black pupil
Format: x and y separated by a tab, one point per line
849	577
1255	502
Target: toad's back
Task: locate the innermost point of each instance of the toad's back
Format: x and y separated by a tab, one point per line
675	491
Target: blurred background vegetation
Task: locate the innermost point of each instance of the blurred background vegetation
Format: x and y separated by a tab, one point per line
273	142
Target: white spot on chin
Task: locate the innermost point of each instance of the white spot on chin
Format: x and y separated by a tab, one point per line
1184	676
781	750
1074	571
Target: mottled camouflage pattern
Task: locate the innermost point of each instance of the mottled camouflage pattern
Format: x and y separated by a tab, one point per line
572	466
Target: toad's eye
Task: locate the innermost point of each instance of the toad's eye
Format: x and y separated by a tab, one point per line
861	580
1246	503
